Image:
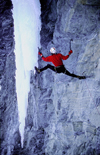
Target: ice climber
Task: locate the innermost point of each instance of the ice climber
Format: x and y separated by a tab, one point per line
56	59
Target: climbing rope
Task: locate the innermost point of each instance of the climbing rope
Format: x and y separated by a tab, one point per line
92	97
87	86
89	94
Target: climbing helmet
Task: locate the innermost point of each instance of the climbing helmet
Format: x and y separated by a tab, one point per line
52	50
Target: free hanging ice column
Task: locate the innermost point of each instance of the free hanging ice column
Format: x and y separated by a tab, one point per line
27	25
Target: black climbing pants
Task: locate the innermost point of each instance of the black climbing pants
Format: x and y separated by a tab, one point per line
59	69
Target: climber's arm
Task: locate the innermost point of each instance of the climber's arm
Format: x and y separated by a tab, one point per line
45	58
67	56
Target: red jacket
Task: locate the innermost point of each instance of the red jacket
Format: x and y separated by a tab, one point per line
56	59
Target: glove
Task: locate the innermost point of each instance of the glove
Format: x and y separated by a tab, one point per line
70	52
40	54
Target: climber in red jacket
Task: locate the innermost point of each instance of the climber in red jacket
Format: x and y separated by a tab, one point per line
56	59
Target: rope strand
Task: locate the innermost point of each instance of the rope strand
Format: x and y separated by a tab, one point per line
92	97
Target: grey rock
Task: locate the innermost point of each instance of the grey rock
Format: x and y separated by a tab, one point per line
63	115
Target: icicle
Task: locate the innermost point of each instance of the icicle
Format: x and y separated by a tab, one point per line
27	27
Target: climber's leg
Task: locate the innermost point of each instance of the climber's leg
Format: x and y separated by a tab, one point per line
73	75
46	67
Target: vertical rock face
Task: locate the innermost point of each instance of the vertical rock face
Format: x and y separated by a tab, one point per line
9	134
48	17
63	115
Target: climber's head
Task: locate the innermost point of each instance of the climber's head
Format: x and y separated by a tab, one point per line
52	50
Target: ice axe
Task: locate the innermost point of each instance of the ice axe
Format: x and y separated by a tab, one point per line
70	43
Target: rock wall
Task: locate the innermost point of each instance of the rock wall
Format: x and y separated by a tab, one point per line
63	115
9	132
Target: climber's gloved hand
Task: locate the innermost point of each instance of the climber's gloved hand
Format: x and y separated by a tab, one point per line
40	54
70	52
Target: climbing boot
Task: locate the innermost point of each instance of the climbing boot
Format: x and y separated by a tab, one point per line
37	70
81	77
